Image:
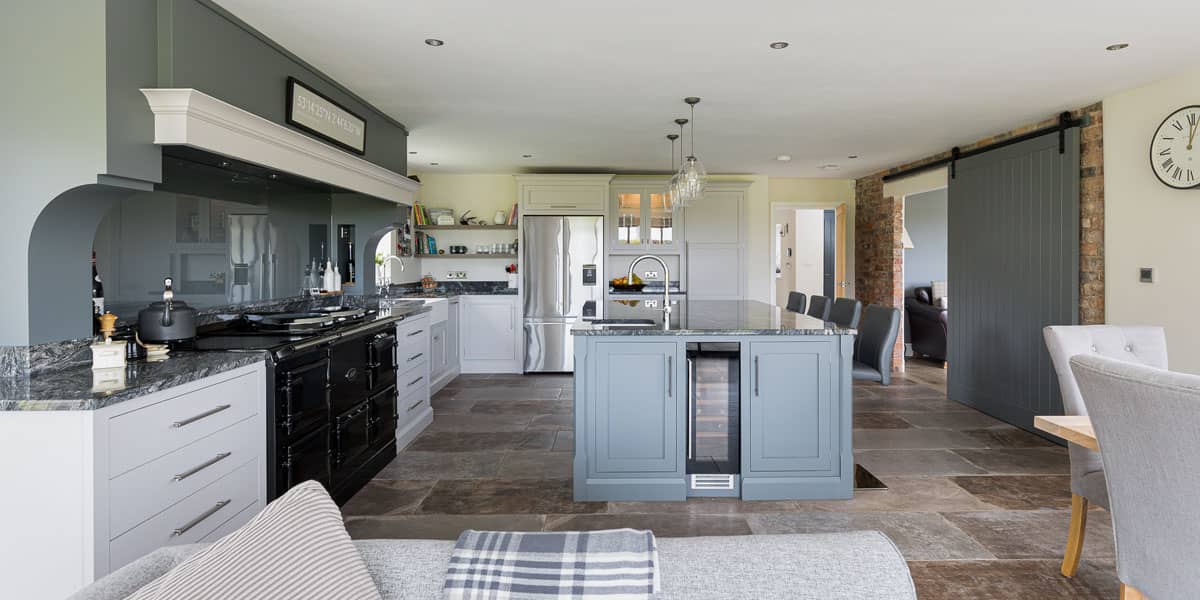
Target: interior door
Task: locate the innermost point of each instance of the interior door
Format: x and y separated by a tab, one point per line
829	258
1013	262
839	267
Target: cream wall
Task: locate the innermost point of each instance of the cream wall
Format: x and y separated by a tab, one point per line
482	194
1148	224
803	193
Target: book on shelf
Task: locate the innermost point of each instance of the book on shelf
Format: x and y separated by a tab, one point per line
512	215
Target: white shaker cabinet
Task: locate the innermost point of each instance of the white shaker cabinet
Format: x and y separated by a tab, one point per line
562	194
490	334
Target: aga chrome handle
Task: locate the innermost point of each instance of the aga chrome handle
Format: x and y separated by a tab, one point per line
417	332
178	531
205	414
202	466
691	408
756	377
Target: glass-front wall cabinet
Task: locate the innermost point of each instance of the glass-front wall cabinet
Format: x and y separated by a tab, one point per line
643	219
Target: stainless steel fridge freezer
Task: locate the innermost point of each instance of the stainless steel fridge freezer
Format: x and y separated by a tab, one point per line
564	281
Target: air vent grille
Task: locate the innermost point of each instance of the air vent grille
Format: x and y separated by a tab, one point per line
712	482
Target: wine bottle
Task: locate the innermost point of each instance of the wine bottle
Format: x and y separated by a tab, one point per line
97	297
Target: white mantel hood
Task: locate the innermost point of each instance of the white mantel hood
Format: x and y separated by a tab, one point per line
184	116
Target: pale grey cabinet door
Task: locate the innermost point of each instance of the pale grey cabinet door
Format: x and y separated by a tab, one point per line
790	423
437	349
637	408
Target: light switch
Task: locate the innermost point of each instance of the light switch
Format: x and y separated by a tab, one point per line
1146	274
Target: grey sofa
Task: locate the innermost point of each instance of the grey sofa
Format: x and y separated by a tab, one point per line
835	566
1133	344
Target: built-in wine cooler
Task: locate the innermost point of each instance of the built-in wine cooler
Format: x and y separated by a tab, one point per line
714	419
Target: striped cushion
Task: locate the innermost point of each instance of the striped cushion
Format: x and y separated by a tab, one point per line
296	548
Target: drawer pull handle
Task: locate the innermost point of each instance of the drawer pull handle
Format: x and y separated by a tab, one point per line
178	531
202	466
415	381
207	413
414	405
417	332
416	356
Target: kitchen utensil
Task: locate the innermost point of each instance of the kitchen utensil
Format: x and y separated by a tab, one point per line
168	320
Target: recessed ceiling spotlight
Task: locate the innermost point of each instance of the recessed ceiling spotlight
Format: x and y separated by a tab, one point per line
1116	47
526	156
784	157
433	164
434	42
852	156
829	167
779	45
412	151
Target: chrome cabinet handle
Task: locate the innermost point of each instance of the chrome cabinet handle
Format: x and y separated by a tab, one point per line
670	392
207	413
202	466
417	332
756	377
414	405
414	382
178	531
416	356
691	404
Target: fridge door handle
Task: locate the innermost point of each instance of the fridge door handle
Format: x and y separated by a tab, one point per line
691	408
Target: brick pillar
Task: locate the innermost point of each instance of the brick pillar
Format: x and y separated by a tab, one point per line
879	252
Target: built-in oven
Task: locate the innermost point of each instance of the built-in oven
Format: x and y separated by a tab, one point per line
348	367
351	438
304	458
302	393
383	416
381	360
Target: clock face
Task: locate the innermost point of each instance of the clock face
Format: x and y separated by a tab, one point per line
1175	149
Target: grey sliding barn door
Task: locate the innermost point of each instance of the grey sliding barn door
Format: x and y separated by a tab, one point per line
1013	261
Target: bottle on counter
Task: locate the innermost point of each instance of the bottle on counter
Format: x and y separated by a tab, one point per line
349	264
97	297
328	284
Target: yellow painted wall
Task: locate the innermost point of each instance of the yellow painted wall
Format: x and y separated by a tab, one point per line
1148	224
811	193
483	194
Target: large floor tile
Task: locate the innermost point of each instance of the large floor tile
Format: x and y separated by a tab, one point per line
466	441
548	422
1012	579
704	506
1019	492
536	465
388	497
437	527
479	422
522	407
904	494
920	536
875	439
662	524
442	465
959	419
879	420
933	403
506	496
564	441
915	462
1020	461
1008	437
514	393
1034	533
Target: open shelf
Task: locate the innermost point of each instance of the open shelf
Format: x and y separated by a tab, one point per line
469	255
464	227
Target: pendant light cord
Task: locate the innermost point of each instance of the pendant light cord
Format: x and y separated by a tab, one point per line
692	123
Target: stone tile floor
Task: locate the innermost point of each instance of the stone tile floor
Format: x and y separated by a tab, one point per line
979	508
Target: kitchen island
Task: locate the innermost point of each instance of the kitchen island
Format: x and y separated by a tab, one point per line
718	398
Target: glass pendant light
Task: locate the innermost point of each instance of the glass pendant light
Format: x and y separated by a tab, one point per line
678	197
670	203
693	177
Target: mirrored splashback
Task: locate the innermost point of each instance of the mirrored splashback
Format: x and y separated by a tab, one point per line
228	232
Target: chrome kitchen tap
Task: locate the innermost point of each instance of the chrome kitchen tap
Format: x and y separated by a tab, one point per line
383	286
666	282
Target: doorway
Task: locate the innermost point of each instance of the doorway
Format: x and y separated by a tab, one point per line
809	256
925	270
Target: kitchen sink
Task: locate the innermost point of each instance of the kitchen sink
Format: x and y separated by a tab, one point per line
624	322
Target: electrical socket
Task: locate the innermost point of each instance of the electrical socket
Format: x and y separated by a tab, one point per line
456	275
650	274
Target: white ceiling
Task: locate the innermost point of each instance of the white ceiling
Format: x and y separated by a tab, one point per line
596	85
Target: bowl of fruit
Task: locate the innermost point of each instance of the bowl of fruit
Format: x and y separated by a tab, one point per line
624	284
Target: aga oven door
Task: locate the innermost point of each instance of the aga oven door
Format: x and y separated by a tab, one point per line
351	438
302	394
383	417
304	458
381	360
348	373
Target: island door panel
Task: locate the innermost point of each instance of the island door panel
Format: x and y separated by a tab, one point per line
637	412
791	418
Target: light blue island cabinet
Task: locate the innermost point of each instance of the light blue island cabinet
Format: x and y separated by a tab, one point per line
647	426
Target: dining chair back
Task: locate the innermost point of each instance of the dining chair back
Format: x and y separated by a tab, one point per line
796	301
875	344
846	312
1147	423
819	306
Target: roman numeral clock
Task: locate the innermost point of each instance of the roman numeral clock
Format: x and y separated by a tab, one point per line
1175	149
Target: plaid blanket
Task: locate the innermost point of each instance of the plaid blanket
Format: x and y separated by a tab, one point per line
498	565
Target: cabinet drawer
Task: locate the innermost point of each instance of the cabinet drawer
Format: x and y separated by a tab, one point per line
142	492
570	198
412	340
191	519
412	382
140	436
230	525
411	357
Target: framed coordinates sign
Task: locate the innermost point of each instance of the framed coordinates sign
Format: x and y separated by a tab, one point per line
315	113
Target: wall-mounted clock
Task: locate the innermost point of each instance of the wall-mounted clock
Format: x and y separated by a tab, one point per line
1175	149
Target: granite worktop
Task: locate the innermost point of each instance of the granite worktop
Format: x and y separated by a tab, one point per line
71	387
710	317
452	289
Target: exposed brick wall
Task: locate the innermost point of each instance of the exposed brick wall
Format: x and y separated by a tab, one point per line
877	224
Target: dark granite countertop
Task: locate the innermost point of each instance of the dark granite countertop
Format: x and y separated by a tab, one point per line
711	317
452	289
70	388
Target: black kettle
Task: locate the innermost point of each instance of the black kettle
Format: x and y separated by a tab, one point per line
167	321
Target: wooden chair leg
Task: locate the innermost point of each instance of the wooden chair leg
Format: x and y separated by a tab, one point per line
1079	508
1128	592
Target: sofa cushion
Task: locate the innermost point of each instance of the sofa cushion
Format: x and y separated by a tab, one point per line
296	548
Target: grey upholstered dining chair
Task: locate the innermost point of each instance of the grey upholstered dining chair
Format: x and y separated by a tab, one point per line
846	312
819	306
796	301
874	347
1147	422
1144	345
